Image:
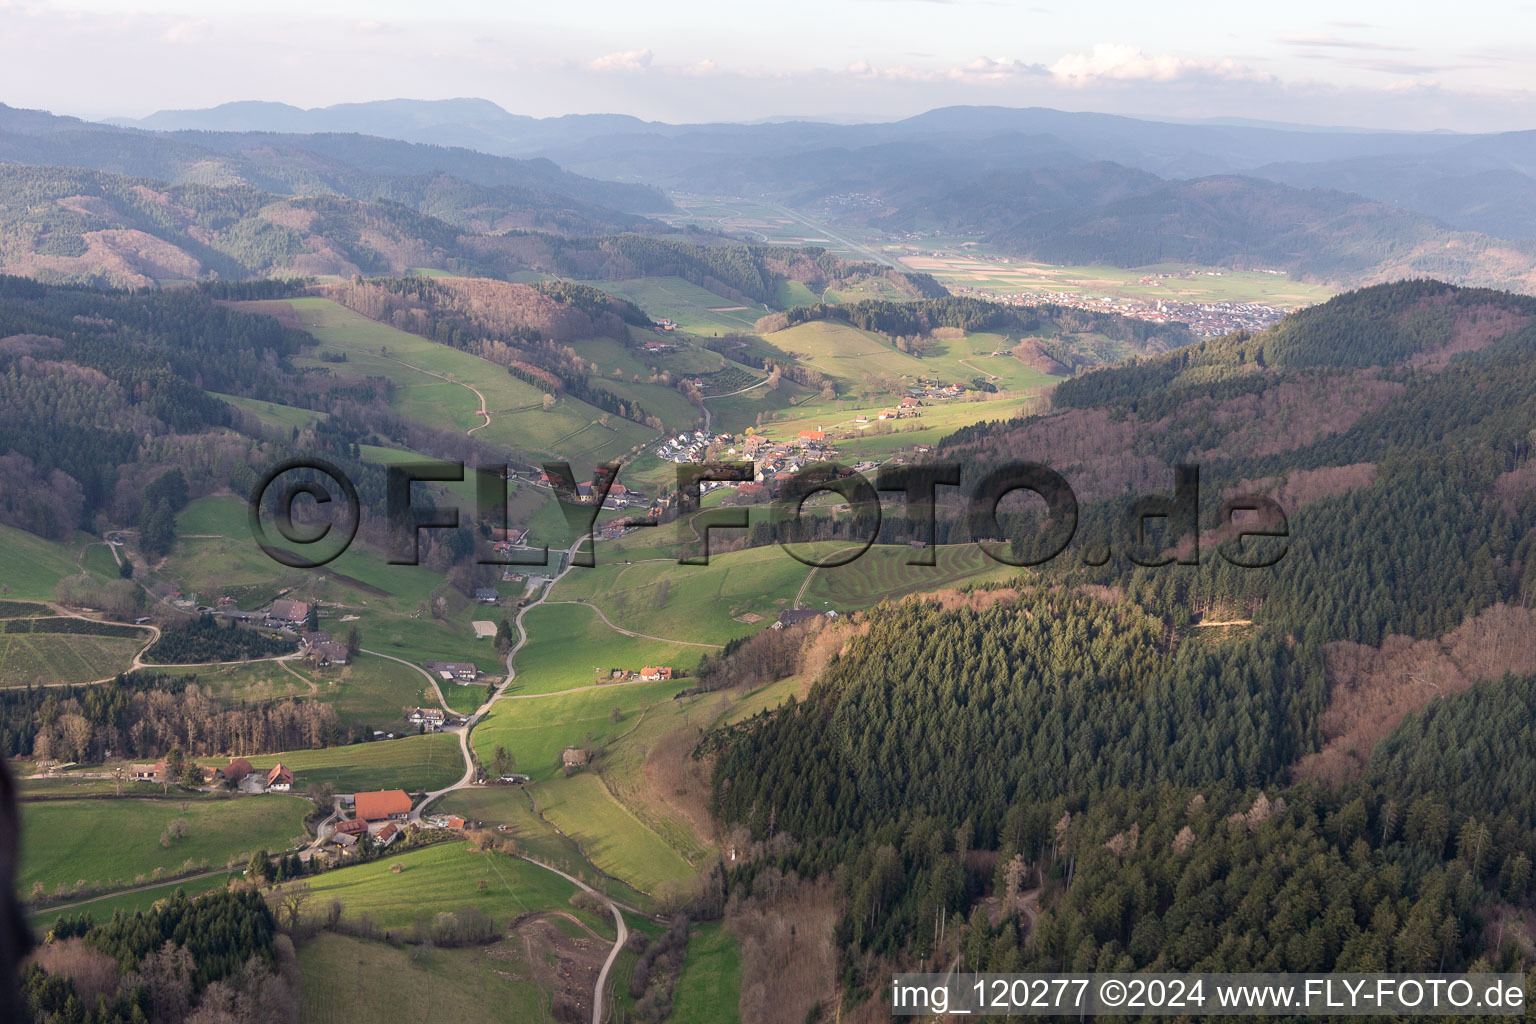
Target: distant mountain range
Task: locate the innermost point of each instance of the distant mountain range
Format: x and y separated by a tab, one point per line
359	166
1343	207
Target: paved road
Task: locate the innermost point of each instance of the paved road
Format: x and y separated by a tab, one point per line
618	944
469	778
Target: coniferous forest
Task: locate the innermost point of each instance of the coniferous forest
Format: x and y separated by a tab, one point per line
1115	766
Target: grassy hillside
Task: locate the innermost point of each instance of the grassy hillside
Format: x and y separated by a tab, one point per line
117	841
417	368
354	981
447	877
568	642
414	763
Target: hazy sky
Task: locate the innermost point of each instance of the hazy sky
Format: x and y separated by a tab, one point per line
1393	65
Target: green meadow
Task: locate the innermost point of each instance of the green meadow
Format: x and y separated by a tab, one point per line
102	908
570	646
412	763
692	308
610	834
31	567
116	841
417	368
444	876
709	991
713	600
354	981
535	730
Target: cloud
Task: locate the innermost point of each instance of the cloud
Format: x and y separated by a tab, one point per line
980	70
184	33
622	60
1334	42
1114	62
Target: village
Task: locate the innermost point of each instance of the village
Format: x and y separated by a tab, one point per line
1207	319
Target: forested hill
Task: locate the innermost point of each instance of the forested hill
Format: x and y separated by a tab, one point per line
79	226
1201	766
1083	215
913	323
71	225
345	164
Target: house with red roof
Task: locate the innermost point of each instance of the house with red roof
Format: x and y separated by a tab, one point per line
279	779
383	805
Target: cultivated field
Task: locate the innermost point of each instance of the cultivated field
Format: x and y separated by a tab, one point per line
31	658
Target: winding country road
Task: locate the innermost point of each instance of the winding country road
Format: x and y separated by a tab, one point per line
484	411
468	778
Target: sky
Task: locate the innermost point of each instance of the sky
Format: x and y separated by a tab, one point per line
1375	65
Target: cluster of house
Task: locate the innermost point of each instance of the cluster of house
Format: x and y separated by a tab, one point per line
778	461
690	446
374	814
238	773
927	388
650	673
381	815
907	408
618	497
320	649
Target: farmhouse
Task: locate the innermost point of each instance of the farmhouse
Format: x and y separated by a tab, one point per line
329	652
386	835
651	673
454	671
432	718
573	757
354	827
383	805
236	770
290	611
279	779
